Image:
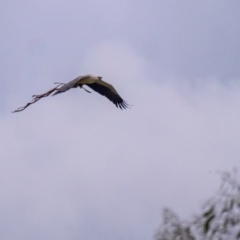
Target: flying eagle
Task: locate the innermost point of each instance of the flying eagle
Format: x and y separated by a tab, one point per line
94	82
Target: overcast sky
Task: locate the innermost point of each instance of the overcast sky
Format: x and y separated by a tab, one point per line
76	167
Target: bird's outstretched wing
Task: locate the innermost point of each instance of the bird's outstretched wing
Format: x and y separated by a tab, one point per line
109	92
65	87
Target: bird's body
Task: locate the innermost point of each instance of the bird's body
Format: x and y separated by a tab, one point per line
94	82
97	84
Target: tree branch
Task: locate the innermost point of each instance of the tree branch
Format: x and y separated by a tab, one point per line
36	98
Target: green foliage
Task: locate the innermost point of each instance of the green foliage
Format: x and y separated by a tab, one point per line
172	228
219	218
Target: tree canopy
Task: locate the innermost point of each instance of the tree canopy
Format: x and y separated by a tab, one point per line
219	217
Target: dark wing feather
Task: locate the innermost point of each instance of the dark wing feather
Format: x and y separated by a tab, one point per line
108	93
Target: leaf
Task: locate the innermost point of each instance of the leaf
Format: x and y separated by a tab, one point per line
206	226
209	212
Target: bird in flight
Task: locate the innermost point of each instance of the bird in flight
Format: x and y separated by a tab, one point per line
94	82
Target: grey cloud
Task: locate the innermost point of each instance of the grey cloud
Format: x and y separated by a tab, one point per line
74	166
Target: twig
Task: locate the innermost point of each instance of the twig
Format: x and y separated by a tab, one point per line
36	98
59	83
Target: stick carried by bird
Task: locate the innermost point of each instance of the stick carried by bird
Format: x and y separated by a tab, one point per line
94	82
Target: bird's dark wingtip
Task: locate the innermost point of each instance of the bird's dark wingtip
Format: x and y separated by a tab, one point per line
123	105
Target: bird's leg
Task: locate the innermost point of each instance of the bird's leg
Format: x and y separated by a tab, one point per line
85	89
